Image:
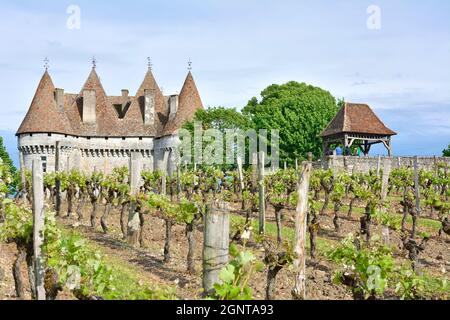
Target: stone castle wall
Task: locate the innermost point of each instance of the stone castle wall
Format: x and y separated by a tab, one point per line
365	164
90	154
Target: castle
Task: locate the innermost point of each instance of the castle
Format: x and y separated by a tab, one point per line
94	131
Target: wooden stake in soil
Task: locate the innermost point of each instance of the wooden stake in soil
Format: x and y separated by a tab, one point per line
23	178
133	217
262	195
416	184
164	172
241	174
417	195
378	165
299	289
38	228
384	189
57	180
215	244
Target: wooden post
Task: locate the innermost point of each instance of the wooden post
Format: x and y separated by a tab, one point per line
285	165
164	172
179	189
241	174
254	168
38	228
416	184
23	178
384	189
296	164
262	195
299	289
133	217
215	244
57	180
378	165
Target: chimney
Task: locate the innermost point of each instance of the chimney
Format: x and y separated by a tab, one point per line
125	99
173	106
149	107
59	98
89	103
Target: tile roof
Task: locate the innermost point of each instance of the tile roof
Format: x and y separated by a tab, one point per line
45	117
189	103
357	118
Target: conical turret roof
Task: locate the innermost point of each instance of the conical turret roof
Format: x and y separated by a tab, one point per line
44	116
189	103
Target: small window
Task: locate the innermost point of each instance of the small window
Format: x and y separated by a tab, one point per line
106	138
51	135
123	138
89	138
44	164
140	138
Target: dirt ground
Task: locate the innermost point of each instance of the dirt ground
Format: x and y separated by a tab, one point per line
150	269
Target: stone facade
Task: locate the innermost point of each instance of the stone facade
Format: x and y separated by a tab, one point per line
96	154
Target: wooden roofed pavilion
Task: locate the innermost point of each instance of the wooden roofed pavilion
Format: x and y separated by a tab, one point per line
357	125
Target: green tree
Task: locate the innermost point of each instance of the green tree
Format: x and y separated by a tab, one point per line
299	111
219	118
6	158
446	152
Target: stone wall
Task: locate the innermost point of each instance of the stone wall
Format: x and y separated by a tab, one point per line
87	155
365	164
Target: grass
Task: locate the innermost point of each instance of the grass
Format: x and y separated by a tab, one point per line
125	280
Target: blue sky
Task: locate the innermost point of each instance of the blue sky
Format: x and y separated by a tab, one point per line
238	48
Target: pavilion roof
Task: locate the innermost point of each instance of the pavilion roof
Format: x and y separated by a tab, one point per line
357	118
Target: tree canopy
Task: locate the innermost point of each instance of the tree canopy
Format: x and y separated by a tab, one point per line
219	118
446	152
299	111
5	157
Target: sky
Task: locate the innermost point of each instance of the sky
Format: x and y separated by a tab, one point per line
396	58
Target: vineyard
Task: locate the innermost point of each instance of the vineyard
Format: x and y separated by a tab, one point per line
295	233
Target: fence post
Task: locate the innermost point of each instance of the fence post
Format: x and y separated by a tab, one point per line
57	180
133	217
23	178
378	165
299	289
215	244
241	174
38	228
262	195
384	190
164	172
416	184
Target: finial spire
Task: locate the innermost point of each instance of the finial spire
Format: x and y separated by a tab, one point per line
189	64
46	63
149	63
94	63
